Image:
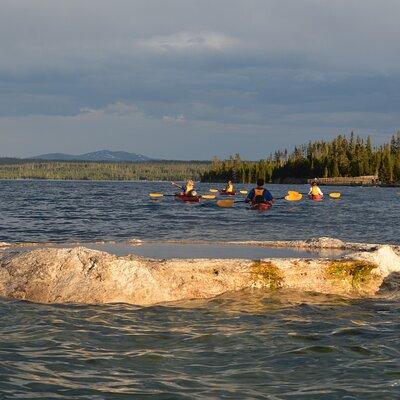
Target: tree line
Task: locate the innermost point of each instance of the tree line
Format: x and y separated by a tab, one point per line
344	156
76	170
341	157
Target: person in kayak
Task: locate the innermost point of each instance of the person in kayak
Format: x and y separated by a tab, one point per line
259	195
315	191
187	189
229	188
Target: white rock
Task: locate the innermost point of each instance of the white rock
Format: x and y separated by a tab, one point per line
81	275
385	257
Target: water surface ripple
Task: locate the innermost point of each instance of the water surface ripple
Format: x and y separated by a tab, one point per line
33	211
252	344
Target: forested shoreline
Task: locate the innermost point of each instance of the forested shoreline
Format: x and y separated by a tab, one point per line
351	156
343	156
77	170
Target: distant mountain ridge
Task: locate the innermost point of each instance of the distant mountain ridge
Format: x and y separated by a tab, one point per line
101	155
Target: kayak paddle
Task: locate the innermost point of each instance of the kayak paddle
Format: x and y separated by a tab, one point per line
157	195
176	185
216	191
227	203
333	195
293	196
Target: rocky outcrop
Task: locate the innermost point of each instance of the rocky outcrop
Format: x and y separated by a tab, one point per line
81	275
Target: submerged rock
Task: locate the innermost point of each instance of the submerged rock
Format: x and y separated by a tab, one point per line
318	243
81	275
325	243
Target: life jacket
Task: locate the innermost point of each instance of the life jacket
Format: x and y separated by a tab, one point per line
189	189
229	188
315	191
258	196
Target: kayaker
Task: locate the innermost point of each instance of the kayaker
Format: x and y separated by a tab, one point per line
259	195
229	188
315	192
187	189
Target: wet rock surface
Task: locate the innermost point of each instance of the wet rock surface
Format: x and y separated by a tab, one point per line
81	275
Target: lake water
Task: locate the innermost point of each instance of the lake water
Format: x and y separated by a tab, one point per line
32	211
251	344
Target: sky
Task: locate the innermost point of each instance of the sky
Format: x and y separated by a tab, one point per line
193	79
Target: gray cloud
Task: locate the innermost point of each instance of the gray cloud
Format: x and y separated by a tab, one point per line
195	72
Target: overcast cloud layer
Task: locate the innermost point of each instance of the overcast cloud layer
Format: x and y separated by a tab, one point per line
192	79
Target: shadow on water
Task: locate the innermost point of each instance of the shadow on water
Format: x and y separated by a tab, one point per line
390	287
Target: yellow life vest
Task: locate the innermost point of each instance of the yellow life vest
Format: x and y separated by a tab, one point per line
229	188
315	191
189	188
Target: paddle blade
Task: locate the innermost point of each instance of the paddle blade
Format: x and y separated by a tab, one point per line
243	191
155	195
335	195
294	196
214	190
208	196
290	192
225	203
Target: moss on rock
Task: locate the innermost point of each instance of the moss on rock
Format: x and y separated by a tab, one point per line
357	272
267	274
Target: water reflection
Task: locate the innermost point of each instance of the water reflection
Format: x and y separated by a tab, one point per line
253	343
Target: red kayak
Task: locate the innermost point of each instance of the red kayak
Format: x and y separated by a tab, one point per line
261	206
187	199
315	197
225	193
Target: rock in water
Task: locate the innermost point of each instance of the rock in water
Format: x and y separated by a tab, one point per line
81	275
